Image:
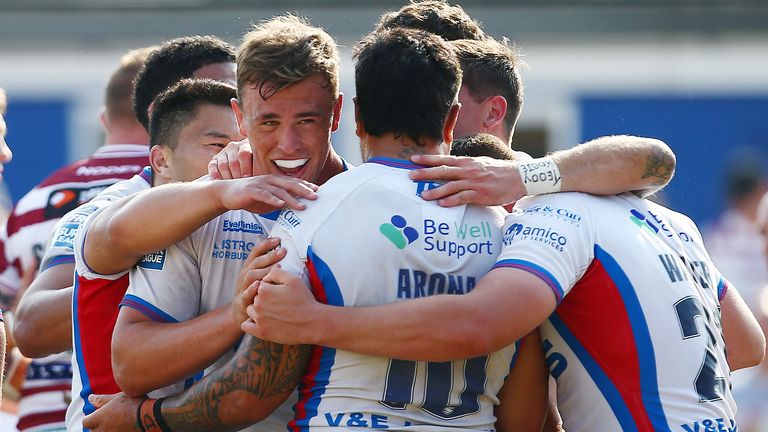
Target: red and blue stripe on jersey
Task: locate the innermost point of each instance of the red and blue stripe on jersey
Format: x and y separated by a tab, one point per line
95	313
316	377
614	345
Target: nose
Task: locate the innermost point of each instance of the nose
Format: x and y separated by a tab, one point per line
5	152
289	142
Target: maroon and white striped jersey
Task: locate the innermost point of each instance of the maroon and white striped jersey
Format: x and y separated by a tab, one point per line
22	244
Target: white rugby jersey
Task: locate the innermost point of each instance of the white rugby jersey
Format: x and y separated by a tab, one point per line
370	239
91	314
635	342
199	274
45	392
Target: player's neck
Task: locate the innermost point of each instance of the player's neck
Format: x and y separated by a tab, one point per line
333	165
399	146
133	134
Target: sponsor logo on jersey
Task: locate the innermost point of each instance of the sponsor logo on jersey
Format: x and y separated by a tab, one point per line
416	283
107	170
289	219
546	235
711	425
640	220
457	240
555	212
653	224
243	226
398	232
62	201
64	236
228	249
153	261
454	240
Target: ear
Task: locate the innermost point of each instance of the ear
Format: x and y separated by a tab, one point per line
239	115
159	162
103	117
496	110
337	112
450	123
359	126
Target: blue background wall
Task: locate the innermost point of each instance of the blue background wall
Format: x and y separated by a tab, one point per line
701	131
38	133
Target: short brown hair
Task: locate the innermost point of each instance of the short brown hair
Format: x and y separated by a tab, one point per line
285	50
118	97
3	102
492	68
434	16
482	144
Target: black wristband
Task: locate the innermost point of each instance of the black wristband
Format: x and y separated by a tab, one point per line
158	411
138	416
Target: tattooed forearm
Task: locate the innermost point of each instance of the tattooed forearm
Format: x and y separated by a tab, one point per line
660	165
237	394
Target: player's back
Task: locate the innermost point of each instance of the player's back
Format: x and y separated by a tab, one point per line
635	343
370	239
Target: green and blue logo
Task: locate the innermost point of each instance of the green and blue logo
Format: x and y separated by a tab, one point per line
398	232
640	220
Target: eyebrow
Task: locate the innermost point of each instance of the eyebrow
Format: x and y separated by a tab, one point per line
216	134
273	116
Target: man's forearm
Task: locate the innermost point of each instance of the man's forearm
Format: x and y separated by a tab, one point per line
143	350
440	328
43	323
616	164
163	215
254	383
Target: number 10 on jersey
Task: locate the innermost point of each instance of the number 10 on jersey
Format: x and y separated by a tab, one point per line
451	390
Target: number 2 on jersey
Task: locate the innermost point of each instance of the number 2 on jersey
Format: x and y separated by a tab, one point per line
440	383
708	385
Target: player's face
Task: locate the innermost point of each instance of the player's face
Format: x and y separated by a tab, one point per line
471	116
222	72
5	151
212	128
290	132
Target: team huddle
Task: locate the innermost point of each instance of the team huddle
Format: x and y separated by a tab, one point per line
446	283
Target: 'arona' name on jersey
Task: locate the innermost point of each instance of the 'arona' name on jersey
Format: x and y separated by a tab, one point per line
243	226
415	284
107	170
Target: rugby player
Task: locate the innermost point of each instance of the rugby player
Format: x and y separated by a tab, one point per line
198	56
44	321
191	121
45	392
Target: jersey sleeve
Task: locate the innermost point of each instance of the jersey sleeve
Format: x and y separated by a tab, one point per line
61	246
551	237
166	285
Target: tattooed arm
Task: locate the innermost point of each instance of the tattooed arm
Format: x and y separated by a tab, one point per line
615	164
246	390
254	383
